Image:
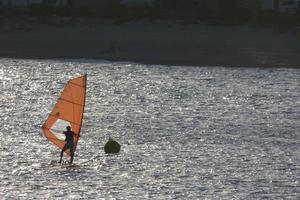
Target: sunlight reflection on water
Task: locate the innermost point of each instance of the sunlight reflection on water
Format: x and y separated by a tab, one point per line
186	132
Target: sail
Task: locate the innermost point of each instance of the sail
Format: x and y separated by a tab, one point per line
68	111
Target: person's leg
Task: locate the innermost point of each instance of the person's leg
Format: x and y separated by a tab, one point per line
62	153
72	155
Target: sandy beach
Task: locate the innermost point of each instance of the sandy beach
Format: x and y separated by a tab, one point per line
159	42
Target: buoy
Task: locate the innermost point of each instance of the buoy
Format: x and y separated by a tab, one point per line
112	146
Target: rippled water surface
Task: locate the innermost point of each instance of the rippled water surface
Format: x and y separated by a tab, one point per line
186	132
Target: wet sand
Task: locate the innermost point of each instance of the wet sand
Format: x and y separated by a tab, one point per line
160	42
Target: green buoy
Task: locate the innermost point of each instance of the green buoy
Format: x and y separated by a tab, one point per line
112	146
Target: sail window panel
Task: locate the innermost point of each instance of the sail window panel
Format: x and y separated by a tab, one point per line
53	139
59	127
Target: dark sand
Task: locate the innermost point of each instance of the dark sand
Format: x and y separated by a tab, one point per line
163	42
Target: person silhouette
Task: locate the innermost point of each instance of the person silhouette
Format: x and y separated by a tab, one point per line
69	144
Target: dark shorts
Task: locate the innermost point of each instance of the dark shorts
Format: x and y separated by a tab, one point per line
69	145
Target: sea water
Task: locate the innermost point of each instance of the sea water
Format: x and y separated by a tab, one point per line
186	132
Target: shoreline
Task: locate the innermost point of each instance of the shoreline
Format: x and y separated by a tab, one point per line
162	43
145	62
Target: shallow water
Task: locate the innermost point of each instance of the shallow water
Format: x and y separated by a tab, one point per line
186	132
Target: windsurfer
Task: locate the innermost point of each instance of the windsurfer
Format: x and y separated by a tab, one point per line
69	144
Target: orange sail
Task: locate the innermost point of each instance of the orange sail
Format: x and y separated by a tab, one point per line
68	111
